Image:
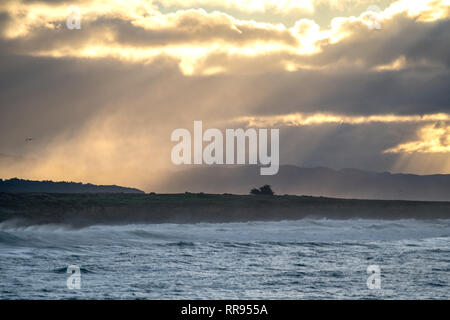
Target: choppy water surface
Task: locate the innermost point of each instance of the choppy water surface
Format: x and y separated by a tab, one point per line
305	259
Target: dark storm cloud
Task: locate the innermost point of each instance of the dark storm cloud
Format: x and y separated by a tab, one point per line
418	90
343	146
400	36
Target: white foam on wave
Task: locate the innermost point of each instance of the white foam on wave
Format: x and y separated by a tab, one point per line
305	230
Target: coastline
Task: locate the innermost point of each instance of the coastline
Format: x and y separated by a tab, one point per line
84	209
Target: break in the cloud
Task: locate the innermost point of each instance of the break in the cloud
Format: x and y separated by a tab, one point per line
432	139
101	101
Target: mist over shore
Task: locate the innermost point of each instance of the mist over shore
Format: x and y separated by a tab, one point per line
317	181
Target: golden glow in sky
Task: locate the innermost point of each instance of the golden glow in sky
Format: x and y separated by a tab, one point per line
432	138
194	36
161	64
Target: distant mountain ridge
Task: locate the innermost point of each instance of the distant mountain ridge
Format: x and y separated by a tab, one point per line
319	181
19	185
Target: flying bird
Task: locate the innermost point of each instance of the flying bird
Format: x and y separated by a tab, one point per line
29	139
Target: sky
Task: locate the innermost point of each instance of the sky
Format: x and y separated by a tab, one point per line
350	84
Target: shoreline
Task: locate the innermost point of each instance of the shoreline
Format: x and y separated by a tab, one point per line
84	209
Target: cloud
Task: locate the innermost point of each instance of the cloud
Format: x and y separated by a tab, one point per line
136	31
434	137
277	6
298	119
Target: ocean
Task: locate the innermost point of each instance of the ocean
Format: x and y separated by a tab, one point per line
303	259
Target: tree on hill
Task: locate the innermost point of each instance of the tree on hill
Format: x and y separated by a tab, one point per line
264	190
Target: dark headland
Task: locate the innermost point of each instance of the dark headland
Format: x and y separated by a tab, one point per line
20	185
83	209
